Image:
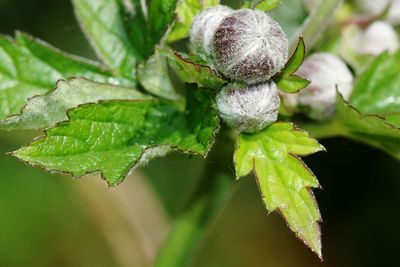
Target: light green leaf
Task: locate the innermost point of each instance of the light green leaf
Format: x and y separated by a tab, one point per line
30	67
267	5
186	11
114	137
154	77
377	90
161	16
283	178
104	25
370	129
286	80
189	70
47	110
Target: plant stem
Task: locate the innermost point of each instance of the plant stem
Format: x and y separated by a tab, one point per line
323	130
191	226
317	22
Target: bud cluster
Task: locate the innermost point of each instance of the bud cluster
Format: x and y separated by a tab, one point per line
248	47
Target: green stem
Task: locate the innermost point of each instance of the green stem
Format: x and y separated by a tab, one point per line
323	130
317	22
191	226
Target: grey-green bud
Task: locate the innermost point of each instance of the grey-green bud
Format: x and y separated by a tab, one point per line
249	46
249	108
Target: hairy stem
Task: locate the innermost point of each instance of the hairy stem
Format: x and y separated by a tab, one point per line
191	226
317	22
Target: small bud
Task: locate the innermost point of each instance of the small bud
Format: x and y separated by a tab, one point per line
376	7
249	46
249	108
378	37
204	27
326	73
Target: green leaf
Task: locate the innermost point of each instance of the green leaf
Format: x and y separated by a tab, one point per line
186	11
161	16
267	5
370	129
189	71
114	137
377	90
286	80
283	178
104	24
30	67
45	111
290	15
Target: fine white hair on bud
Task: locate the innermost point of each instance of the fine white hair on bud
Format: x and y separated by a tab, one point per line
378	37
249	108
376	7
326	73
249	46
204	27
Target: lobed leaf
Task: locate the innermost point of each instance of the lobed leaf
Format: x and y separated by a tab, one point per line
283	179
190	71
114	137
186	11
30	67
286	80
49	109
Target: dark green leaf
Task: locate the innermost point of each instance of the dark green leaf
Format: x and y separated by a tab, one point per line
191	72
105	26
30	67
161	16
283	178
45	111
115	137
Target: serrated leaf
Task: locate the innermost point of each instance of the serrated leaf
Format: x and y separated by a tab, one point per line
186	11
267	5
104	24
283	179
47	110
286	80
370	129
154	77
191	72
114	137
377	90
30	67
161	16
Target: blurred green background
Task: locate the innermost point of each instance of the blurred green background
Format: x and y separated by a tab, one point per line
50	220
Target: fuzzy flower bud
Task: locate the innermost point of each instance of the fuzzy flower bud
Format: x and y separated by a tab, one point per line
376	7
249	46
326	73
249	108
378	37
204	27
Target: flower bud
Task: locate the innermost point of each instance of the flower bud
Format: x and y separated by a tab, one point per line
249	46
249	108
378	37
326	73
376	7
204	27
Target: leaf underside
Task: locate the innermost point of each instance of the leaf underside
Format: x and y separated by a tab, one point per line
284	180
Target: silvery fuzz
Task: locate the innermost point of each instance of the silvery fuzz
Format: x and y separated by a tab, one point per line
327	74
379	37
249	46
249	108
204	27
